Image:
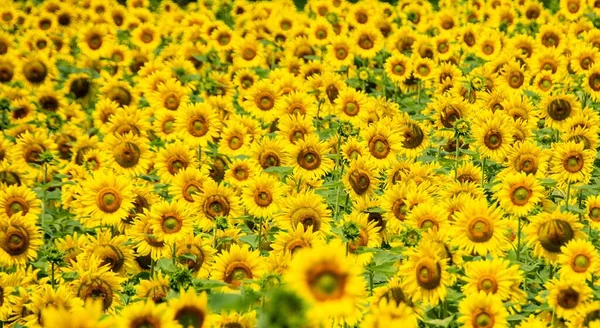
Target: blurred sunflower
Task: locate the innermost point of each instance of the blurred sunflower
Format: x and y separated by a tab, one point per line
216	200
262	195
324	277
128	154
236	265
306	208
425	275
482	310
145	313
20	239
360	178
567	296
572	163
190	309
549	232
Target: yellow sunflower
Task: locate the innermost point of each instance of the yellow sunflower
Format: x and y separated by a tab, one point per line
556	109
579	259
567	296
290	242
262	195
146	313
572	163
519	193
328	280
425	275
169	95
493	135
21	200
592	210
236	265
216	200
479	229
142	234
482	310
352	106
549	232
190	309
20	239
384	142
492	277
171	222
308	158
104	199
174	158
200	255
128	154
306	208
360	178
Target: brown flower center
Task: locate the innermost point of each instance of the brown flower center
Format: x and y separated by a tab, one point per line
16	241
326	283
487	284
309	159
191	188
171	223
399	208
482	319
493	139
520	195
429	273
366	42
35	71
568	298
108	200
554	234
95	41
351	108
413	136
269	158
16	205
308	217
97	289
216	205
176	163
248	54
480	230
573	162
127	155
263	198
236	272
190	316
594	81
359	181
580	263
379	146
560	109
264	101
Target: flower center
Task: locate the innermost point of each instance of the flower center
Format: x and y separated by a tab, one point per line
171	224
248	54
568	298
400	209
483	320
265	102
487	284
190	316
493	139
595	214
560	109
351	108
580	263
326	284
308	217
171	101
190	189
216	205
399	69
198	127
16	241
554	234
341	53
480	230
127	155
263	198
309	159
95	42
168	126
359	181
573	162
520	195
108	200
429	274
17	205
236	272
379	147
176	163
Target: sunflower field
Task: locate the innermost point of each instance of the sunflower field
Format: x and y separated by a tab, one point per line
238	164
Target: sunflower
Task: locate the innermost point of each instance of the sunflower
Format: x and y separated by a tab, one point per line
104	199
388	314
339	52
142	235
592	82
146	314
572	163
427	216
120	92
170	222
186	183
199	259
579	134
290	242
128	154
237	264
262	195
128	120
190	309
368	236
383	141
567	296
235	139
557	109
579	259
327	279
295	103
155	288
592	210
492	277
169	95
519	193
20	239
514	76
308	158
29	149
493	135
37	69
16	199
367	41
94	40
425	276
146	37
248	52
360	179
306	208
260	100
216	200
352	106
246	320
488	45
549	232
295	127
112	251
528	158
481	310
87	316
479	229
175	158
44	297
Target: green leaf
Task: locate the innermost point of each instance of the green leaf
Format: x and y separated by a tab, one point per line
208	284
166	265
282	170
441	323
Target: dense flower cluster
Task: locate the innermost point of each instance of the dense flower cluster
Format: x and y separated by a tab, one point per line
243	164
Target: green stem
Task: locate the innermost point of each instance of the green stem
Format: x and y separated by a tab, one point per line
568	195
44	199
260	223
483	173
456	158
174	254
371	283
52	273
519	241
152	264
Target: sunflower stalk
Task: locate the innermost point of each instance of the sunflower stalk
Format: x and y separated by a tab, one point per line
567	196
456	158
519	240
260	224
